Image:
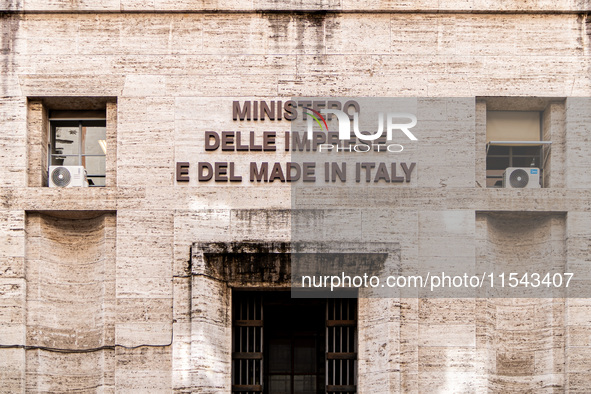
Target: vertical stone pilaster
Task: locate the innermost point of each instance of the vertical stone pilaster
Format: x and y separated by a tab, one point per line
37	139
553	130
577	149
111	159
379	345
577	317
480	143
181	328
211	331
12	300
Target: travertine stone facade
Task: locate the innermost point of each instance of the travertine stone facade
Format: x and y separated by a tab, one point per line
101	289
70	300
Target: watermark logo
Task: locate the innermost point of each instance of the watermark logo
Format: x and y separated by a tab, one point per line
311	116
392	120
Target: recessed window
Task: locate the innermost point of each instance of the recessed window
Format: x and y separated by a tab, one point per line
79	143
514	142
285	345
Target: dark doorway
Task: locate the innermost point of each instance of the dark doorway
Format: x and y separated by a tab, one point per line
284	345
295	345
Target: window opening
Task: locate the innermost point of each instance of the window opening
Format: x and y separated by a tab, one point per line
80	143
514	140
285	345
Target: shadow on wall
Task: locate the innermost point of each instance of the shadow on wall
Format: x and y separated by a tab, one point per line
524	337
70	272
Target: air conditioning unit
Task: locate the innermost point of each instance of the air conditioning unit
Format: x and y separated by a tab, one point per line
67	176
519	178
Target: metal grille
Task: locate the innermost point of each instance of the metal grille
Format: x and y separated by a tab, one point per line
247	344
248	368
341	345
518	178
61	176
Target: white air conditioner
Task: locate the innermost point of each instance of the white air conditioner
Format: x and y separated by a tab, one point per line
67	176
518	178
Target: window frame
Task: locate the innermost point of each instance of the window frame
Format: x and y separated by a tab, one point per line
511	155
250	368
541	144
81	122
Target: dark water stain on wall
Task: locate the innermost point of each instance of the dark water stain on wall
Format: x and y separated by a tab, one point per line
305	28
10	25
585	36
588	30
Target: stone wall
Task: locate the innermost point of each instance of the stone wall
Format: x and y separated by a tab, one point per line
168	73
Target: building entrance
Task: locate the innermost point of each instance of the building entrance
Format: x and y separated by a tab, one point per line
287	346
